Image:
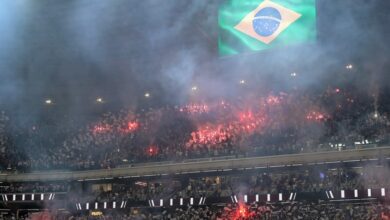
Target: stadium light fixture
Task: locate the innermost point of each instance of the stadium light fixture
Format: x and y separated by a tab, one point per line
349	66
123	204
147	95
293	74
331	194
194	88
48	101
202	200
242	81
99	100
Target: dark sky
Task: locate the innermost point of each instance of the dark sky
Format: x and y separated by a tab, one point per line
76	50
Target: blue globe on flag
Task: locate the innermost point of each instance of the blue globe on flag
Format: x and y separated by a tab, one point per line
266	21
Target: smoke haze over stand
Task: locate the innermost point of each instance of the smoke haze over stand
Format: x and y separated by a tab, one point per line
129	47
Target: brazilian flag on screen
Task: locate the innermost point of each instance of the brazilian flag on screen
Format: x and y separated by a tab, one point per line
254	25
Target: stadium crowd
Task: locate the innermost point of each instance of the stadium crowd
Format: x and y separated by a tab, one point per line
278	123
217	186
241	184
278	212
306	179
289	211
255	211
34	187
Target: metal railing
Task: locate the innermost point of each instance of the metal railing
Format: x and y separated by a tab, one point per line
203	166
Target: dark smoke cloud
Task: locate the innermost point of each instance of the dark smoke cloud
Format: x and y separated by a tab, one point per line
76	50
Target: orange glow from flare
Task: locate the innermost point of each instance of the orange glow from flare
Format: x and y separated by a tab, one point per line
132	126
242	213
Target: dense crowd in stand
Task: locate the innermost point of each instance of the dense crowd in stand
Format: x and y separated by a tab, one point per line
278	123
301	180
278	212
244	184
289	211
305	179
4	145
34	187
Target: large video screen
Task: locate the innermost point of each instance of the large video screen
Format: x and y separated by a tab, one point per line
255	25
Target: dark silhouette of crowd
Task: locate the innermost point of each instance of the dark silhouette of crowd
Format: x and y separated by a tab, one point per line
288	211
34	187
308	180
320	211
